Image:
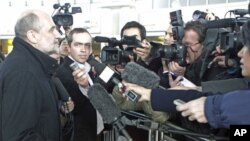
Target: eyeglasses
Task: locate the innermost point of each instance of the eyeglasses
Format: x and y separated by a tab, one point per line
191	45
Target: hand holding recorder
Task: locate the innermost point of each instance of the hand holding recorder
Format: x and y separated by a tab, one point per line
80	75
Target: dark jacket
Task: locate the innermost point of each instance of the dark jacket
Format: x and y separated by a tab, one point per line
231	108
85	126
198	71
221	110
29	104
162	100
154	64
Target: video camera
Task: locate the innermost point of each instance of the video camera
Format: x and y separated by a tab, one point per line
112	55
230	41
176	51
64	17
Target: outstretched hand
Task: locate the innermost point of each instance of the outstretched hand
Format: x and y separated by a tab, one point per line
144	92
194	110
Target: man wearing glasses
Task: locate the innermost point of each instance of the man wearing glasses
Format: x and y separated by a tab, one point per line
198	57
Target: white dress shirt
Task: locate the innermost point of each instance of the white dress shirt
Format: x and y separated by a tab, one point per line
87	67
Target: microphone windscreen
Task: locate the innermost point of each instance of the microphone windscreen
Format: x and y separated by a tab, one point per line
62	92
104	103
136	74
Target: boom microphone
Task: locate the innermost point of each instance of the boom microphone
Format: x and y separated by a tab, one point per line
136	74
106	106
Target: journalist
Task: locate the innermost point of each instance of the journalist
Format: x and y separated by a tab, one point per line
88	122
198	57
134	28
220	110
63	49
142	53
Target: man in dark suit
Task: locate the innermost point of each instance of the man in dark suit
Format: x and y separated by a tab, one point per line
86	125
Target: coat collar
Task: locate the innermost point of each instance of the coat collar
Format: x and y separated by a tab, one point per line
48	63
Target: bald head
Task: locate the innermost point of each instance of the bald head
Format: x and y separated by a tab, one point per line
38	29
29	20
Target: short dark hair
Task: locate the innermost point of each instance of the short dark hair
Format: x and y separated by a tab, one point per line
69	37
245	34
134	24
61	40
198	27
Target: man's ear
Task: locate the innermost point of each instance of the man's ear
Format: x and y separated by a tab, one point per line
32	36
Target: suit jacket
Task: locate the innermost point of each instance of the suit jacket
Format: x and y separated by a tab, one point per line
85	125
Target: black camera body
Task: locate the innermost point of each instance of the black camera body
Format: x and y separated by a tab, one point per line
231	43
64	17
177	23
174	52
112	55
63	20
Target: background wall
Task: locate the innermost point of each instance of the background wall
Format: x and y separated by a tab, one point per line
106	17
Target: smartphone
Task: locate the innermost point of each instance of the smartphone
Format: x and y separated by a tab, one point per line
178	102
74	66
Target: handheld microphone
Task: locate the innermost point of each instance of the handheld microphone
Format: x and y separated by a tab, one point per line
136	74
62	92
106	106
107	75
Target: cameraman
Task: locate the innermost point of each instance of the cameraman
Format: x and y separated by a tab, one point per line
216	109
197	69
168	40
219	110
130	29
142	54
